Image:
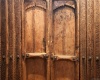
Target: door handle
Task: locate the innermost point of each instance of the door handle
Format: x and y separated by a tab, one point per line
64	57
34	55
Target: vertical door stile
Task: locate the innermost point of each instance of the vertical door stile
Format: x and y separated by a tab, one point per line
77	39
17	16
10	39
90	40
82	24
3	39
96	39
14	40
23	42
50	38
99	43
0	40
7	39
48	24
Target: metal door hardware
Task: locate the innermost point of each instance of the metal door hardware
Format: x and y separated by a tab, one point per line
53	57
3	57
18	56
33	55
97	58
83	57
90	58
64	57
10	57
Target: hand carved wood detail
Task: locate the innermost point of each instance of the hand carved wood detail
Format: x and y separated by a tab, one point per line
37	3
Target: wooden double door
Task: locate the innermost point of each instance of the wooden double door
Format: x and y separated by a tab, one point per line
50	40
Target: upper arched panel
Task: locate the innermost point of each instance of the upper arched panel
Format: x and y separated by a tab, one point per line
60	3
32	3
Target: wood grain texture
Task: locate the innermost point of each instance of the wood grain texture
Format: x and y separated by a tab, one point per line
7	45
23	42
99	44
0	40
35	37
60	3
64	31
17	10
90	41
39	23
82	23
55	27
49	39
28	37
3	39
11	39
29	31
64	41
96	39
77	47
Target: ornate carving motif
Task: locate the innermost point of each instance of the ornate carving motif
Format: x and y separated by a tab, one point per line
58	4
37	3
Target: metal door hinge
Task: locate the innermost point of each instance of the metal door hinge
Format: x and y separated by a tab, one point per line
34	55
64	57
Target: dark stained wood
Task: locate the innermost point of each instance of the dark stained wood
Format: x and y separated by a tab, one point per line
64	57
43	40
49	38
11	39
41	4
77	47
90	41
7	45
82	34
99	44
7	40
3	39
0	40
64	40
35	39
58	4
96	39
28	3
17	10
23	43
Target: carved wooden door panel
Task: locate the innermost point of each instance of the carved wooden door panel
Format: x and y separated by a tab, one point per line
35	39
50	42
65	59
